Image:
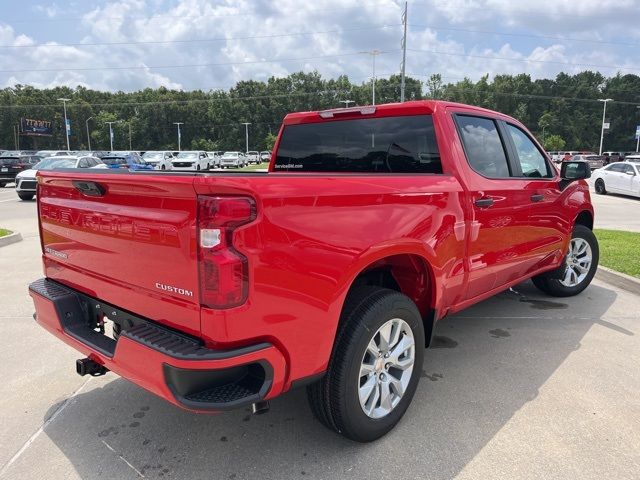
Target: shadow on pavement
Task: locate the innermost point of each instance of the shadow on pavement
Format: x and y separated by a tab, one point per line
488	362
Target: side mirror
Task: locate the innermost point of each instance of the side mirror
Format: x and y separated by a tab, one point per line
570	171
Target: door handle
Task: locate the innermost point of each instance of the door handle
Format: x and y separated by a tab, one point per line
538	197
484	202
92	189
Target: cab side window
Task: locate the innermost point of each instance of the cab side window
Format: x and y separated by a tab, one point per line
531	160
483	146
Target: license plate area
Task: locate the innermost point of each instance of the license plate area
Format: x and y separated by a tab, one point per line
95	323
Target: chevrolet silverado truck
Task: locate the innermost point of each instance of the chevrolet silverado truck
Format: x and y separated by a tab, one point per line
222	290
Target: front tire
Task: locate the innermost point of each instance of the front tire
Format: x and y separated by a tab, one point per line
577	271
25	196
375	366
600	187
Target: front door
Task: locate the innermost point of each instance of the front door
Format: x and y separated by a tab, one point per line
499	206
548	229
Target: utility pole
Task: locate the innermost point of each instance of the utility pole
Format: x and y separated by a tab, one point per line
347	102
179	135
111	133
374	54
129	135
15	137
638	133
66	122
604	112
86	122
246	135
404	53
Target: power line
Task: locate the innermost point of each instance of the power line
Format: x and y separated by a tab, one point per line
155	67
525	60
528	13
200	40
162	16
526	35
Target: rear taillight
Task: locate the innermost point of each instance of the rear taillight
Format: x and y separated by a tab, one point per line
224	272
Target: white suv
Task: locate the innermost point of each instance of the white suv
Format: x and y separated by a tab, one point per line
253	157
160	160
232	159
191	160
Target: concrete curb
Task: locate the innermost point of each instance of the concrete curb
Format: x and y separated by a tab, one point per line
11	238
618	279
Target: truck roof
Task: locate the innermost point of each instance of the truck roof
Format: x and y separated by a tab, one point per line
415	107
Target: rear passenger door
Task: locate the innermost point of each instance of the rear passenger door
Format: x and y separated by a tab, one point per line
498	206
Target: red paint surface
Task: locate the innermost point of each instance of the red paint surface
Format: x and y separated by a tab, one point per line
313	235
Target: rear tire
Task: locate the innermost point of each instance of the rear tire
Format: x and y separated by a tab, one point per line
600	187
2	184
365	406
564	283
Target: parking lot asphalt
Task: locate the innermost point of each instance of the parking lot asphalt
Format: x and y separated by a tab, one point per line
519	386
615	212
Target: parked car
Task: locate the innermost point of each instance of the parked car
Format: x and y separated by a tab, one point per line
566	156
618	177
11	165
52	153
610	157
128	160
635	158
265	156
26	179
160	160
330	270
253	157
594	161
232	160
190	160
214	159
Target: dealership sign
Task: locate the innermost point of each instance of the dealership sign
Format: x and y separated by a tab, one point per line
39	128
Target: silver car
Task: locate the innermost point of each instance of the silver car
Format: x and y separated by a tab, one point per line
232	160
26	179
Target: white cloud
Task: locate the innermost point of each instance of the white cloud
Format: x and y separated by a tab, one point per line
359	27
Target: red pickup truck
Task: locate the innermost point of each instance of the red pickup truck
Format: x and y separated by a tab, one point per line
220	290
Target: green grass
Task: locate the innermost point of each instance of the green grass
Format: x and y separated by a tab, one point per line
4	232
619	251
249	168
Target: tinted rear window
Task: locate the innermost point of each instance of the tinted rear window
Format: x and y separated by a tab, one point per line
385	145
6	162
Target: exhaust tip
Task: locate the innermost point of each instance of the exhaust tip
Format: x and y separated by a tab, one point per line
259	408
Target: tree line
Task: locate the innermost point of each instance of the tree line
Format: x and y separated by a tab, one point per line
564	112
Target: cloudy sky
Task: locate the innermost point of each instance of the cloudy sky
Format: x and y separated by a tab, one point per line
206	44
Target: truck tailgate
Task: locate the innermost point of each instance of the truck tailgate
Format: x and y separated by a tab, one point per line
129	236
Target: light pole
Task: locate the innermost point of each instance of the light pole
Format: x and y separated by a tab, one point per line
246	135
66	125
179	136
638	139
374	54
347	102
111	133
604	112
86	122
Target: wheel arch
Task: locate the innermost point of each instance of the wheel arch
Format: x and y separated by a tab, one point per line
584	217
409	273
